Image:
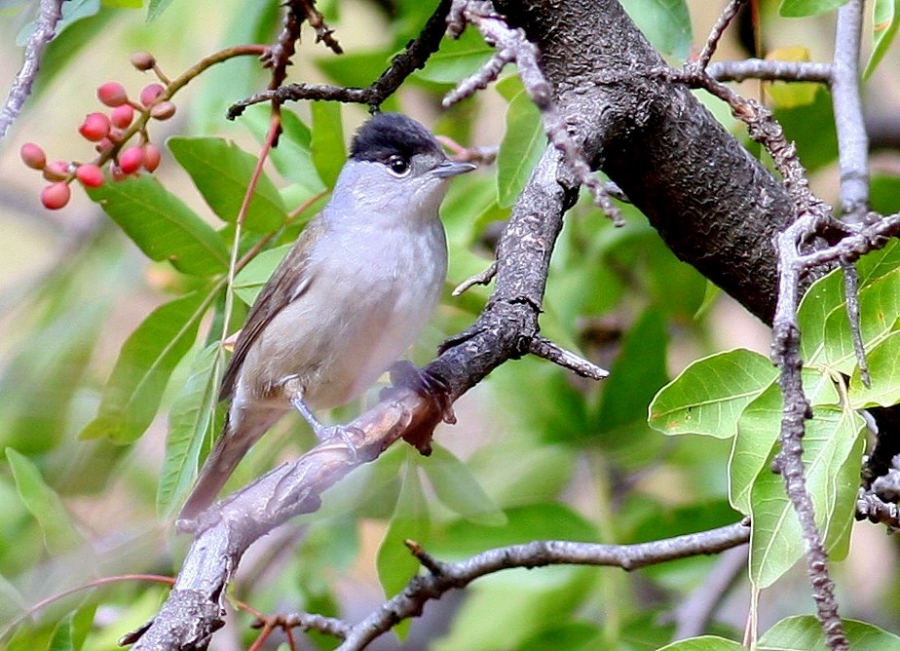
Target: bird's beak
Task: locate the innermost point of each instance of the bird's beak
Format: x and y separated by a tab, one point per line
451	168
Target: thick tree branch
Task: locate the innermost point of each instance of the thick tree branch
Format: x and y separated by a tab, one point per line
714	204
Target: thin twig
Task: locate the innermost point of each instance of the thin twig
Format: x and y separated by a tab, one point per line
770	71
482	278
450	576
543	347
44	30
722	23
414	57
324	33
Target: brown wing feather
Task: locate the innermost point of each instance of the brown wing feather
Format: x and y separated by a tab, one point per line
277	294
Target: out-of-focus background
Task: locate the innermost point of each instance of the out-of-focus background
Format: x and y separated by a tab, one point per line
73	288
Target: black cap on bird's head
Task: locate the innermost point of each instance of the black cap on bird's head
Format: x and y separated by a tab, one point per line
392	134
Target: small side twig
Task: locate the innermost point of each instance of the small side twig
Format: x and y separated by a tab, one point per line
722	23
543	347
324	33
482	278
770	71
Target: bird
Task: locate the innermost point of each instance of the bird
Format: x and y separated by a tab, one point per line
352	294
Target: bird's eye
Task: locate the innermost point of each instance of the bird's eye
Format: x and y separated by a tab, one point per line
398	165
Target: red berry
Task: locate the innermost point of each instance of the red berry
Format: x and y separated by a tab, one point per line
90	175
162	110
95	127
131	159
33	156
143	61
122	116
55	196
151	93
58	170
112	93
151	157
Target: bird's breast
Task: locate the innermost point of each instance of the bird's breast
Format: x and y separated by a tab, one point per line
371	293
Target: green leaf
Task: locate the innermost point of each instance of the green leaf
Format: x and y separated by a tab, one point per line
133	392
457	59
162	226
709	396
665	23
42	379
550	596
704	643
60	534
884	373
823	320
249	282
155	8
62	639
573	636
804	633
522	146
458	490
327	142
396	565
522	473
757	432
222	173
791	94
800	8
191	425
832	452
538	521
884	28
885	196
292	157
354	68
636	375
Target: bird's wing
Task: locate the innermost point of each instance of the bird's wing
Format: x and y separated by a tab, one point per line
290	281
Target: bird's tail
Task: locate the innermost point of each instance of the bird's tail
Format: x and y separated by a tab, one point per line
221	462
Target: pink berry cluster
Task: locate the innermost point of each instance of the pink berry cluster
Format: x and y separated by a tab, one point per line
111	131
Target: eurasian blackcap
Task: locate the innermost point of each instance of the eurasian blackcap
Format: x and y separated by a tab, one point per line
349	298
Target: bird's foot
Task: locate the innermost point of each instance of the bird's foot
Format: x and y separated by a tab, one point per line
405	375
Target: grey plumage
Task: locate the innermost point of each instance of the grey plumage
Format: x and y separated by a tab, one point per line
349	298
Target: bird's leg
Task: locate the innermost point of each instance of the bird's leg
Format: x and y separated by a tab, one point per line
294	391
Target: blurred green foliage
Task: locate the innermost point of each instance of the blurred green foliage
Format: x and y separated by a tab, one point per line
87	483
